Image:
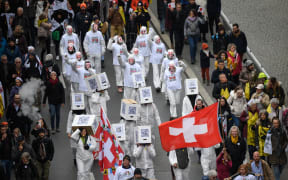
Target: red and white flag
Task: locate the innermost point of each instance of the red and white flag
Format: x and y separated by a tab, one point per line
110	152
197	129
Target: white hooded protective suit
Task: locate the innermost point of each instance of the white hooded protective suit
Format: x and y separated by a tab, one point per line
208	159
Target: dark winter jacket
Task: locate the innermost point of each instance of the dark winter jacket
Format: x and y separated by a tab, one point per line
3	44
217	72
45	76
12	53
213	7
218	86
161	9
81	25
220	42
204	59
22	21
49	148
279	93
26	171
177	21
16	154
142	19
240	41
5	147
237	152
54	93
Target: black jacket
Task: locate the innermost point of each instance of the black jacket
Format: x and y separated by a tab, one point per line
16	154
5	79
204	59
237	152
80	19
26	171
217	72
218	86
161	9
220	42
55	93
5	147
240	42
49	148
177	21
213	7
45	76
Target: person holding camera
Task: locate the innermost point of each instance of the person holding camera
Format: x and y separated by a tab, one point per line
86	144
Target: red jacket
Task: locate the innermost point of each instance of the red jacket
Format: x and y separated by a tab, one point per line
223	170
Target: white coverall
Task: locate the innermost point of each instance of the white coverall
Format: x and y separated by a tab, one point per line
174	86
73	144
118	49
208	159
123	173
65	40
94	46
129	91
144	159
143	43
187	107
98	100
149	115
181	174
68	69
128	144
139	59
79	64
84	157
156	58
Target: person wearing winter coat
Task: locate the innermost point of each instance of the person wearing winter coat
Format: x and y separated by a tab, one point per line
12	51
278	158
274	110
44	39
261	98
239	39
236	147
142	16
248	125
143	43
97	101
158	50
192	32
220	69
173	81
220	40
225	121
32	67
20	40
40	124
214	11
275	90
224	164
161	12
26	169
263	124
125	171
137	175
238	104
205	56
180	160
243	173
129	67
48	67
6	150
260	167
56	98
44	150
144	154
234	57
3	43
222	56
116	18
94	46
118	47
23	21
20	148
208	159
223	87
15	89
86	144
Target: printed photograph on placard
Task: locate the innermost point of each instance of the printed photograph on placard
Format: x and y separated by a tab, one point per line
192	84
146	93
78	98
83	120
92	83
103	79
144	133
118	130
132	110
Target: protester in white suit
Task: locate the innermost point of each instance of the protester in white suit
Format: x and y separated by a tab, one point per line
86	144
144	154
94	46
70	56
139	59
188	103
208	159
173	80
118	47
180	160
97	100
125	171
157	55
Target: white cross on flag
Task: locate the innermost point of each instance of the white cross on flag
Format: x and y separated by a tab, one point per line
197	129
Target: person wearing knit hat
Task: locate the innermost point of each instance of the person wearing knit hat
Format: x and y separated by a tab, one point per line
205	56
83	6
125	171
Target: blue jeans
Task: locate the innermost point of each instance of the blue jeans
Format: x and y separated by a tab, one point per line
54	110
162	24
6	164
277	169
193	40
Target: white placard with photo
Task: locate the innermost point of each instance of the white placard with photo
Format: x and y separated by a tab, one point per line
138	79
78	101
88	122
119	130
191	86
129	109
91	82
146	95
142	134
102	81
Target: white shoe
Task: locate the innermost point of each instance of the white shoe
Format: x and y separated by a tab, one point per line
57	58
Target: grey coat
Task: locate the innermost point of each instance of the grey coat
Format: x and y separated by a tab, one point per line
191	28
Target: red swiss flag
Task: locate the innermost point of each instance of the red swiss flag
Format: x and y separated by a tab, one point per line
197	129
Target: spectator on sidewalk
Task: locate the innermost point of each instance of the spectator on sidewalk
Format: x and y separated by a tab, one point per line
192	32
221	69
239	39
223	87
214	11
205	56
161	11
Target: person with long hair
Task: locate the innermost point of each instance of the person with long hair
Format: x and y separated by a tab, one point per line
224	117
224	164
234	57
243	173
275	90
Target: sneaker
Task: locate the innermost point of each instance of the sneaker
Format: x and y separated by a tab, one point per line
57	58
57	130
53	131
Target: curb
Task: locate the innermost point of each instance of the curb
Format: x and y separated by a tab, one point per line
188	72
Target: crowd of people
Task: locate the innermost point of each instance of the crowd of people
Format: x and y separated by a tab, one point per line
252	118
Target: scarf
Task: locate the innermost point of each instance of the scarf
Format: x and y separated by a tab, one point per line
232	53
206	52
234	140
192	18
41	21
53	82
42	151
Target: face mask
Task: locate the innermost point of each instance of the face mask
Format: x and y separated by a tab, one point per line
95	27
120	40
136	52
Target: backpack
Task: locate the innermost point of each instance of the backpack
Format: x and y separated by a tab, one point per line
182	158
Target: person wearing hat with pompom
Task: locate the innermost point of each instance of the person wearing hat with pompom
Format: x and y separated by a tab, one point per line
205	56
125	171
